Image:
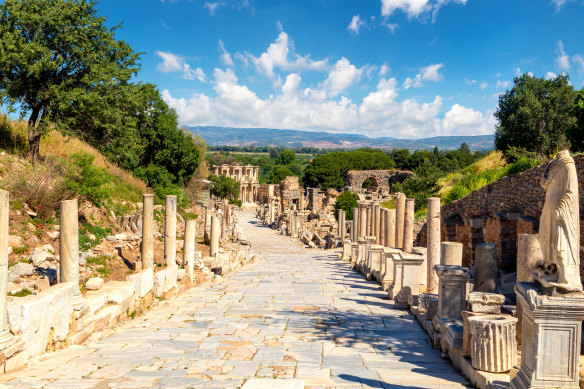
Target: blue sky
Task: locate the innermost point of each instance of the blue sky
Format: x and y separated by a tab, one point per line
398	68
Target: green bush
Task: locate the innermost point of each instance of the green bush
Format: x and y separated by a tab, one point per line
87	180
86	243
280	174
224	187
346	201
522	164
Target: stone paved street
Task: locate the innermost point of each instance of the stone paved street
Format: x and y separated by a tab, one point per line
294	318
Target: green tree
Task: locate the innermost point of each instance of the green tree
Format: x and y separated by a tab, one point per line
535	114
224	187
346	201
54	55
286	157
576	132
279	174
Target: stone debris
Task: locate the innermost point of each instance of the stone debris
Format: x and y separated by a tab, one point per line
94	283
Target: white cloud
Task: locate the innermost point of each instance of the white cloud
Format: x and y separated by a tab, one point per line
225	55
276	56
416	8
484	85
384	70
343	75
558	4
550	75
380	113
172	63
462	121
563	60
356	24
469	82
428	73
212	6
503	84
579	60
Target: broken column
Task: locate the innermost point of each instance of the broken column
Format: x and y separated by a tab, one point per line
362	220
408	244
528	255
486	267
390	228
451	291
400	211
395	286
341	224
423	251
410	285
377	227
207	232
170	230
433	243
346	250
451	253
5	335
493	347
355	229
214	246
370	222
69	248
147	247
374	268
382	218
189	247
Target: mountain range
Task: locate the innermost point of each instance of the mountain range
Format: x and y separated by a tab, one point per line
230	136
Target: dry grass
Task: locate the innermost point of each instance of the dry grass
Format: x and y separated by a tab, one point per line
493	160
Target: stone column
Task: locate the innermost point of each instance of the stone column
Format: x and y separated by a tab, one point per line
390	228
397	276
377	226
493	347
360	253
224	220
433	243
5	335
408	242
354	254
341	224
400	212
410	285
170	230
451	291
189	246
208	214
148	231
69	248
346	250
214	247
451	253
370	222
551	339
486	267
365	268
362	220
355	230
382	218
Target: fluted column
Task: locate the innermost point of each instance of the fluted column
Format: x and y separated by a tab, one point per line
493	347
147	248
433	243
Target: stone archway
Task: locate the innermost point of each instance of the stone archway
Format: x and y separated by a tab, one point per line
382	178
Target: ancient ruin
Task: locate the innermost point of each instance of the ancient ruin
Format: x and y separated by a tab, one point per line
247	176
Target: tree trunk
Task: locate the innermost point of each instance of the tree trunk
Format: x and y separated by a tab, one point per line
34	135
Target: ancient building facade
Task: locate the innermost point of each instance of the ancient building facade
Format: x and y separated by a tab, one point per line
247	176
380	178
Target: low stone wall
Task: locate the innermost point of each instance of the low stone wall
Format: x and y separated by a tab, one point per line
48	320
498	212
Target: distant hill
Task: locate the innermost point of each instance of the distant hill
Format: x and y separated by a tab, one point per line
229	136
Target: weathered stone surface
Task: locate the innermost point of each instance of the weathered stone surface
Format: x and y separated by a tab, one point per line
433	243
170	230
94	283
451	253
486	267
143	281
452	290
408	235
147	246
528	256
400	211
485	302
410	285
22	269
38	257
493	346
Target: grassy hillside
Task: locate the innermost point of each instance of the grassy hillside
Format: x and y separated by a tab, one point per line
493	160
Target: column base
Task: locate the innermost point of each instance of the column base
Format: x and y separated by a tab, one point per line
78	302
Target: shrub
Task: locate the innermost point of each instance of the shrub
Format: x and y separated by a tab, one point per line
87	180
224	187
521	165
346	201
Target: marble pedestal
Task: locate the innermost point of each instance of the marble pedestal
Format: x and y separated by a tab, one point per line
346	250
360	253
395	286
374	266
451	290
354	253
550	342
369	241
387	267
410	285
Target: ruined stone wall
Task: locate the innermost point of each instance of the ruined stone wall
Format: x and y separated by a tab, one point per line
382	178
498	212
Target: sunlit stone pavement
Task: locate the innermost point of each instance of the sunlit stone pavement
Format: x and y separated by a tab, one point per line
295	318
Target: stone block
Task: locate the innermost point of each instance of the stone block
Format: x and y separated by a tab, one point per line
36	316
485	302
452	290
143	281
94	283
